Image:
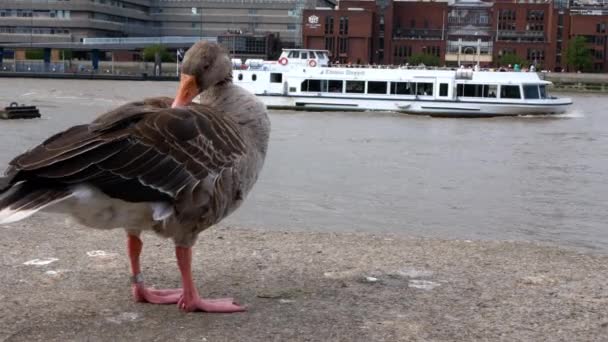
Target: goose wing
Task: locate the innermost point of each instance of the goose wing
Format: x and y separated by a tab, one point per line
142	151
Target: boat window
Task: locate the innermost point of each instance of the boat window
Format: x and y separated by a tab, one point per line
304	55
294	54
424	89
311	85
490	90
334	86
510	92
402	88
374	87
276	77
543	91
254	77
531	91
312	54
443	89
240	77
476	90
355	86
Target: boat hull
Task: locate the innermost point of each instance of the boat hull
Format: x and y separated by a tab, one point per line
417	107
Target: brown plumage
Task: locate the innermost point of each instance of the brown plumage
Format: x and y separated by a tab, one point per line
164	164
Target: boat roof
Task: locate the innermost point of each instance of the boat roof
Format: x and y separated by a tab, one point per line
287	50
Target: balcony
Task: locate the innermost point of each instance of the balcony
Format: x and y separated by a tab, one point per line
469	51
434	34
521	36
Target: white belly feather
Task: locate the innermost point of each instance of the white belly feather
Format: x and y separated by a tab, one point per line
92	208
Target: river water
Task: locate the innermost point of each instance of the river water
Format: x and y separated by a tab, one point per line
539	179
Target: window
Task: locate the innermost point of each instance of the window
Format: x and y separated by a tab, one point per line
506	14
343	25
294	54
424	89
355	87
311	85
240	77
291	27
342	45
276	77
402	88
510	92
536	15
334	86
304	55
432	50
443	89
476	90
536	55
543	91
531	91
254	77
329	43
374	87
490	90
329	25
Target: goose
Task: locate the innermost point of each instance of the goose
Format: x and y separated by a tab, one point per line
167	165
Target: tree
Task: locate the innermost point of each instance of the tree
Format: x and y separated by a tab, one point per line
34	54
151	50
511	59
578	54
424	58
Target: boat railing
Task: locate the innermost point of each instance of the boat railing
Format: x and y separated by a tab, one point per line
267	65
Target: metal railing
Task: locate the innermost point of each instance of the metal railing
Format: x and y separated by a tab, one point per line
147	40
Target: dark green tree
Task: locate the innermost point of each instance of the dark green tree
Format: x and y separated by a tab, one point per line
424	58
578	55
150	51
512	59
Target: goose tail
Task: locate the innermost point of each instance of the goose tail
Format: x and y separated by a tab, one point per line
21	200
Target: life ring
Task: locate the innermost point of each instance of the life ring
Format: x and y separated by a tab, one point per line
312	63
283	61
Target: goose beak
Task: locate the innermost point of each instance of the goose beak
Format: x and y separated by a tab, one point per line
187	91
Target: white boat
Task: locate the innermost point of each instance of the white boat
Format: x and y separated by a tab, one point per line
302	79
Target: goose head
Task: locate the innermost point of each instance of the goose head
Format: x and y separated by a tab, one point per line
205	65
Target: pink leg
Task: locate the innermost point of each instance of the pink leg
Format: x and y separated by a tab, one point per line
190	300
141	293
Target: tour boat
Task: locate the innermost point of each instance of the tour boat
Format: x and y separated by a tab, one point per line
303	79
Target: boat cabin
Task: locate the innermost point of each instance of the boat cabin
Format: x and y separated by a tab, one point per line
304	57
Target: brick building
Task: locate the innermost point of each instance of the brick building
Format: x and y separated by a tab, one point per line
458	31
591	24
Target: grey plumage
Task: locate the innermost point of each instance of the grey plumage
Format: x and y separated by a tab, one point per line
198	161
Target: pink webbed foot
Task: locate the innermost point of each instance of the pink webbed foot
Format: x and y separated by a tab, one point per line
150	295
219	305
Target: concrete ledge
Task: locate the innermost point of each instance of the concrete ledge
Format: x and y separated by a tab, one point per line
300	287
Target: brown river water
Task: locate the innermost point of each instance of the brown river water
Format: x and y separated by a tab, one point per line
541	179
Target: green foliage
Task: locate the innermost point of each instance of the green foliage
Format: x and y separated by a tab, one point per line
512	59
578	54
150	51
67	54
34	54
424	58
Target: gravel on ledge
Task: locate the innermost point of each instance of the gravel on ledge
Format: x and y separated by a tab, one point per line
299	286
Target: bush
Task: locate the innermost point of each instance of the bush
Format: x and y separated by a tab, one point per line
34	54
150	51
512	59
424	58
